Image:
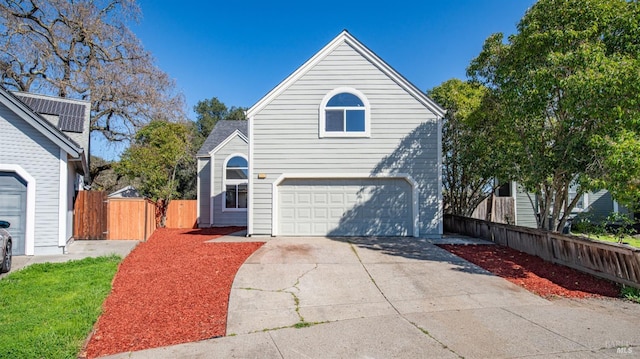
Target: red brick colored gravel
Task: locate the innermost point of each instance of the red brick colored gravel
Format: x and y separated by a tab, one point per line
172	289
532	273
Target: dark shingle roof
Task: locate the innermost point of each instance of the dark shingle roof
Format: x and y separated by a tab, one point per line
220	132
71	115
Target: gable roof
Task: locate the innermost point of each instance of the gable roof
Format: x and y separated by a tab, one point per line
347	38
125	192
70	112
221	131
45	127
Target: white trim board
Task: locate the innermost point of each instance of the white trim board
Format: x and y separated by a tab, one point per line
223	183
62	202
251	181
30	224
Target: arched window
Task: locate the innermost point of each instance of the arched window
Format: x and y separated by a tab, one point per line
235	183
344	112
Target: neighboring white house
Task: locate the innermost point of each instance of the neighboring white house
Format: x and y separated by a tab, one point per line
344	146
223	176
41	168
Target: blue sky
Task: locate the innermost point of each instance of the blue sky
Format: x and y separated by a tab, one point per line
239	50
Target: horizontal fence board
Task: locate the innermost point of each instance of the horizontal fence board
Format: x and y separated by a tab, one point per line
615	262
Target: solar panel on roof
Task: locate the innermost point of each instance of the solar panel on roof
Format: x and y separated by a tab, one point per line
71	115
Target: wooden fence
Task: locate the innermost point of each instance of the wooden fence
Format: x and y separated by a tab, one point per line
182	214
496	209
615	262
131	218
99	217
90	215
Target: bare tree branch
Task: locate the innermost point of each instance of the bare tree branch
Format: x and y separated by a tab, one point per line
84	49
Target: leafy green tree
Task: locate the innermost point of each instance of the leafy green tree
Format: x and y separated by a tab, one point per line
620	166
565	94
210	111
468	165
104	177
154	157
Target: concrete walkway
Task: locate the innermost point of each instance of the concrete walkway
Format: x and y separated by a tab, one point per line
400	298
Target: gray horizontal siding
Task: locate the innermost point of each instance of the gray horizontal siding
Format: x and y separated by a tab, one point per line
403	135
40	157
525	213
600	205
204	194
220	217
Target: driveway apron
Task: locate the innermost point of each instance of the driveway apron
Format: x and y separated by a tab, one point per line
406	297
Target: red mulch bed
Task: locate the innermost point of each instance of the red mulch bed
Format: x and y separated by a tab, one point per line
534	274
172	289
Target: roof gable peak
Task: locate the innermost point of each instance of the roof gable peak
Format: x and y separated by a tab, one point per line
346	38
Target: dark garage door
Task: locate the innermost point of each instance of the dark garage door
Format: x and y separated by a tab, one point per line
13	205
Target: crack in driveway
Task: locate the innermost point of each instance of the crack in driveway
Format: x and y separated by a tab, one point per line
296	300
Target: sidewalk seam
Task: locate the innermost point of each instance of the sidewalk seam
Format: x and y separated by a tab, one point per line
545	328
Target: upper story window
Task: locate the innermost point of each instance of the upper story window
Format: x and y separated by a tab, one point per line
345	112
235	183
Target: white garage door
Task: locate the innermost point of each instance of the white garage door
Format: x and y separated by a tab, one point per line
349	207
13	202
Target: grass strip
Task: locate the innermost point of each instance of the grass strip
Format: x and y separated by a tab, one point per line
48	309
632	241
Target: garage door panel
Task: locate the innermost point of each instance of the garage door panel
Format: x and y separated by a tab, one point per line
320	198
345	207
13	202
321	213
288	198
337	198
288	213
303	198
336	213
303	214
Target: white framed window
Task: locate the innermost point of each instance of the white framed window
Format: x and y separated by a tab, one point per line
235	183
345	112
582	204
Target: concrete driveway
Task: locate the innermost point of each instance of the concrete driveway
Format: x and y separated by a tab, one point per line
400	298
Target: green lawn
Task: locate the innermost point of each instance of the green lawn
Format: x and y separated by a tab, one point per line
635	242
47	310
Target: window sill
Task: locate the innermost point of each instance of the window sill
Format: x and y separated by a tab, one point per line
326	134
234	209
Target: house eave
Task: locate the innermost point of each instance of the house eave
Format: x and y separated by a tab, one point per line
81	165
39	123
